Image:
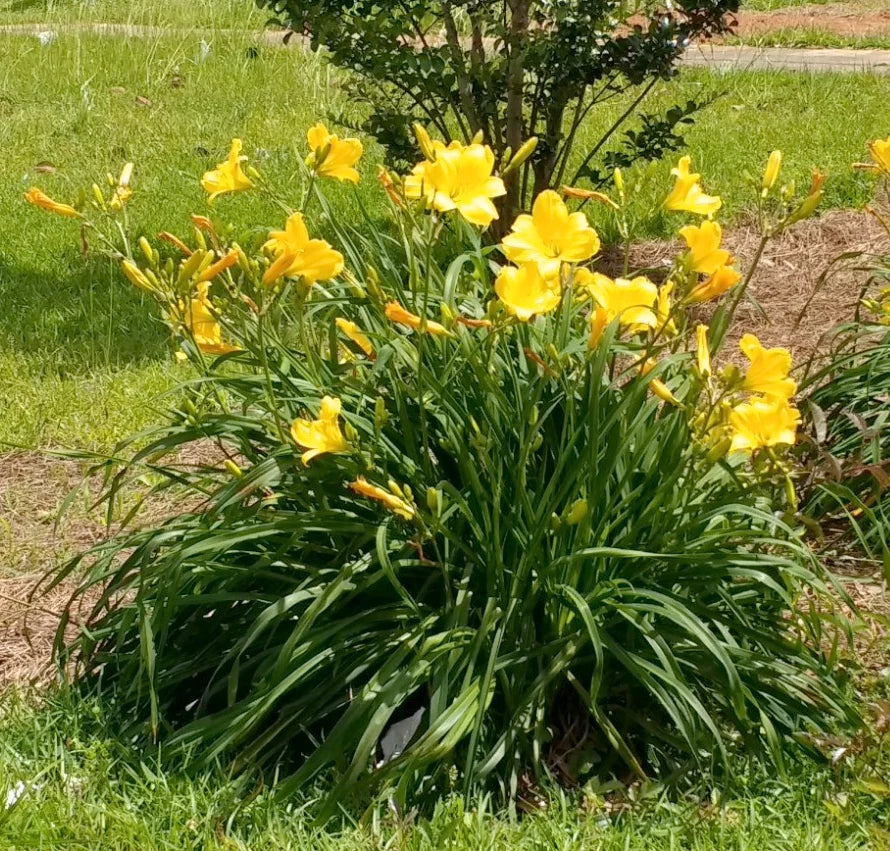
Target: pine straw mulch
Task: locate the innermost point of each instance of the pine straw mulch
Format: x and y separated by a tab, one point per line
32	486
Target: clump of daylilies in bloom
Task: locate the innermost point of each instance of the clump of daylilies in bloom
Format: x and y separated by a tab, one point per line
219	298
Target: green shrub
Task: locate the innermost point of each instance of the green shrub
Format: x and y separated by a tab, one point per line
460	518
512	70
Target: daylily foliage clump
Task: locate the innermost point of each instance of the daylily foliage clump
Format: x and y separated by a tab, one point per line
494	487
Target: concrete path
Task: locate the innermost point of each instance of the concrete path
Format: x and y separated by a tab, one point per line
815	59
720	57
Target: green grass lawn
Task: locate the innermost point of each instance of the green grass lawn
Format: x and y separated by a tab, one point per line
814	37
84	792
84	359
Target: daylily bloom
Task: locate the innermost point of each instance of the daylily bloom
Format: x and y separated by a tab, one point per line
332	156
687	194
703	351
227	176
298	256
459	178
396	504
321	435
39	199
761	422
526	292
351	330
880	153
723	279
771	175
631	302
550	236
705	254
396	313
768	373
200	319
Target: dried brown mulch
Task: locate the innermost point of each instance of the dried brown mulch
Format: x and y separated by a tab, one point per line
787	281
842	19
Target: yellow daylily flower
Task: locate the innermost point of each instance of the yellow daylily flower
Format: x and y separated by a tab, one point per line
461	177
760	423
703	351
550	236
771	174
227	176
200	319
880	153
396	504
705	254
331	156
687	195
396	313
526	292
321	435
298	256
351	330
768	372
723	279
631	302
40	199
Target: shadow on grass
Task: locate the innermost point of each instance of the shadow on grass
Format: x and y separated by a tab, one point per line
80	319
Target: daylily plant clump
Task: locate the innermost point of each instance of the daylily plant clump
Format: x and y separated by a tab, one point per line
493	487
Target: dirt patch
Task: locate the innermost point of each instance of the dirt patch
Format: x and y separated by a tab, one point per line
787	281
34	537
841	19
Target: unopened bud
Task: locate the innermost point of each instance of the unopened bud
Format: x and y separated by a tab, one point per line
233	468
577	512
424	142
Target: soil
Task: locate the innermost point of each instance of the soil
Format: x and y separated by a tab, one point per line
788	282
841	19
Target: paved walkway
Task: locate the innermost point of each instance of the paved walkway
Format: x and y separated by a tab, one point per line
814	59
723	57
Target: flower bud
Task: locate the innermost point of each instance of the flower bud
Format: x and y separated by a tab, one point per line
147	250
771	175
380	415
478	138
527	149
424	142
577	512
98	197
433	500
233	469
